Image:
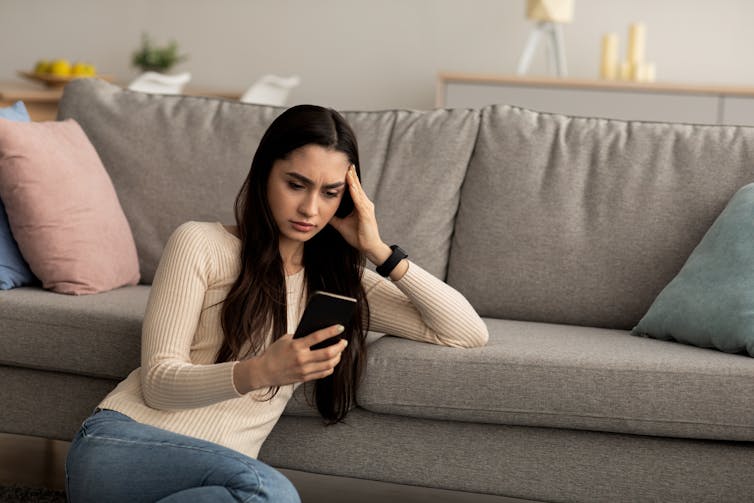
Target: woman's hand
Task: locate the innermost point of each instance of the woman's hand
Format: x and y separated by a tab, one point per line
359	229
289	360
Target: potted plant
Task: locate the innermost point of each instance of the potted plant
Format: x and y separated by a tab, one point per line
150	58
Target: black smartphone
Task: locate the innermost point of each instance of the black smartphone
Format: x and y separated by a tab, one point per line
325	309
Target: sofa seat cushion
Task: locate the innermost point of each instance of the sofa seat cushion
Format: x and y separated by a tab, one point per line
563	376
95	335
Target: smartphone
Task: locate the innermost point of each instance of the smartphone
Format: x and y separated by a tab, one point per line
325	309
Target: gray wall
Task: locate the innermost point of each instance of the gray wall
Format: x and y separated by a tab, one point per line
370	54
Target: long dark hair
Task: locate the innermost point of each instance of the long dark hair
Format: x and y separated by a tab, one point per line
256	303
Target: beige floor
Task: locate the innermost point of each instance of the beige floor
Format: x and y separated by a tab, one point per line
36	462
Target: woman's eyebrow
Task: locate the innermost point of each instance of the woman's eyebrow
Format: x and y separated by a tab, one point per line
308	182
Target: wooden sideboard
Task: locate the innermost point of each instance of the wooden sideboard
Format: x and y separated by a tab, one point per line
601	98
42	102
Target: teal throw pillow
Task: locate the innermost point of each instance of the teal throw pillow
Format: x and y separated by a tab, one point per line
14	271
710	303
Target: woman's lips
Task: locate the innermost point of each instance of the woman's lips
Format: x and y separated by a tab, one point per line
302	226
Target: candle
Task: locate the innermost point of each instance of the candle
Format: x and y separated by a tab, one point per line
609	66
626	70
647	72
637	33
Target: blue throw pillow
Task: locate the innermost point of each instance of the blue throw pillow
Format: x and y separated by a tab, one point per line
14	271
15	112
710	303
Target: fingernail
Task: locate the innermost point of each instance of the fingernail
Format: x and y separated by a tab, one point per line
340	329
345	342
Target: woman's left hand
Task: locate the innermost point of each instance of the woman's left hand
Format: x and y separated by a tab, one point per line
359	228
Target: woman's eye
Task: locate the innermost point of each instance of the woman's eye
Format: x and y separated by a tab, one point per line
331	194
295	186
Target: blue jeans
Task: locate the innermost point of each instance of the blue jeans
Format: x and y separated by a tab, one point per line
116	459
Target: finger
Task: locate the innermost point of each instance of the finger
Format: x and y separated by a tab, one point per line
322	366
317	375
360	198
322	369
353	182
329	352
321	335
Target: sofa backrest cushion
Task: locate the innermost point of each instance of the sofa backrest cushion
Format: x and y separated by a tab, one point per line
171	158
413	166
179	158
584	221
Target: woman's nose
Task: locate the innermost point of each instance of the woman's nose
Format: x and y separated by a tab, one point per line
308	206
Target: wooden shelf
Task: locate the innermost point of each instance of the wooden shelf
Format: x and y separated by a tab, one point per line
42	102
704	103
604	85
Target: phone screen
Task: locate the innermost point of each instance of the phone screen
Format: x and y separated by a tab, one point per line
325	309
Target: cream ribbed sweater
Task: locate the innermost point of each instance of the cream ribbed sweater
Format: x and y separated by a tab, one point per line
180	389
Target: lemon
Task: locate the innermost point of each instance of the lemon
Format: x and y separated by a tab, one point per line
60	67
42	66
80	69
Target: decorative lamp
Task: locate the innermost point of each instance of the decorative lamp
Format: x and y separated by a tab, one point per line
549	16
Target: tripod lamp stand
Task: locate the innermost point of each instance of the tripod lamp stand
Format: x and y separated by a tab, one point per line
549	16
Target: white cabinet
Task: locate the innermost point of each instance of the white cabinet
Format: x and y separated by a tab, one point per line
608	99
739	110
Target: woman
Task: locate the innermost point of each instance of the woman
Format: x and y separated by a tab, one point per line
219	361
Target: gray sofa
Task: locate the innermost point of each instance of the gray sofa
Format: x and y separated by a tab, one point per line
559	230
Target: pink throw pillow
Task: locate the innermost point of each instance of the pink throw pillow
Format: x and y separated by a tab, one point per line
63	209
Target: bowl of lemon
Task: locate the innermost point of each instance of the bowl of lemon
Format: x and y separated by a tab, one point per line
58	72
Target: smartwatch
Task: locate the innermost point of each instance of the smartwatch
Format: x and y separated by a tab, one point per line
387	266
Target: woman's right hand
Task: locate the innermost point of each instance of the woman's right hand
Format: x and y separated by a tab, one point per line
289	360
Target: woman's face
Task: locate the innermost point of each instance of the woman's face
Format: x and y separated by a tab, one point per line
304	191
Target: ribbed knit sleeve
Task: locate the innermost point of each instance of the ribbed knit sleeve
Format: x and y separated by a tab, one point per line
423	308
169	379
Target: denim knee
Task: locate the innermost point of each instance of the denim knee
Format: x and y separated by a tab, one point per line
285	491
262	483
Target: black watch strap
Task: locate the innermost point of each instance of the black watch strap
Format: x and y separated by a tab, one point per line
387	266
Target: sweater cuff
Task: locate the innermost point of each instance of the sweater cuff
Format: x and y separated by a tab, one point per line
411	279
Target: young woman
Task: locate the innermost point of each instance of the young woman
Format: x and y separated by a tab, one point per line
219	361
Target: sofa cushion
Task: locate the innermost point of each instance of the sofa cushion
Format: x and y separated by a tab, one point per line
171	158
15	112
562	376
94	335
179	158
711	301
584	221
413	166
63	210
525	464
14	271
